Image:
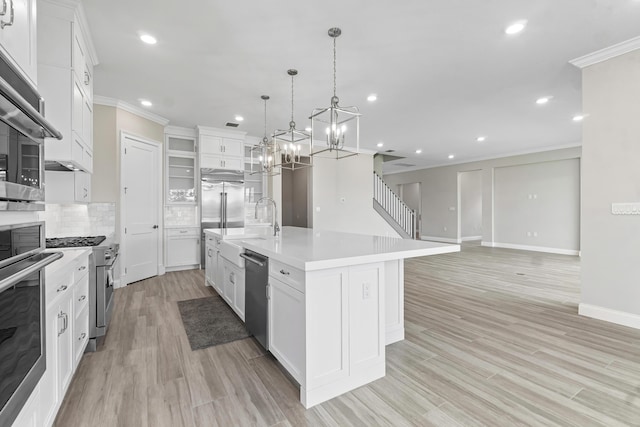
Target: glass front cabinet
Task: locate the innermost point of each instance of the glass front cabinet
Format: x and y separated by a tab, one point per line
180	171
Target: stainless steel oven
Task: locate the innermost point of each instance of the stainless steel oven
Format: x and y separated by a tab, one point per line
22	132
22	315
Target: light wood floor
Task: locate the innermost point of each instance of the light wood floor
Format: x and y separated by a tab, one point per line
492	338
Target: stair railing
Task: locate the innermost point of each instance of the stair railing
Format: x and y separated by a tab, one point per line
403	215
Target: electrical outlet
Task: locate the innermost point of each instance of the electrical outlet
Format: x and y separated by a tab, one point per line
366	290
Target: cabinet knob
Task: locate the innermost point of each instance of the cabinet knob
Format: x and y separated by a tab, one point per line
82	298
62	288
286	273
82	336
84	267
87	78
154	227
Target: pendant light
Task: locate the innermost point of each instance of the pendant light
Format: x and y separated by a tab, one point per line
265	153
339	125
293	143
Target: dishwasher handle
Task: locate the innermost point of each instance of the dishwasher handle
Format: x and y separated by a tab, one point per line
253	260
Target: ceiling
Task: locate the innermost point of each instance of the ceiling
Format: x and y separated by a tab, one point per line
444	71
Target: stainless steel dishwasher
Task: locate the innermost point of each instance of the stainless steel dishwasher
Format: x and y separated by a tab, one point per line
256	301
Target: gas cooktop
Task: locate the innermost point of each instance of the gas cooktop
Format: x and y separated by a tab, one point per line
74	242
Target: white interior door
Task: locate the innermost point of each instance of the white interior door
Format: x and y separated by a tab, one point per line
140	202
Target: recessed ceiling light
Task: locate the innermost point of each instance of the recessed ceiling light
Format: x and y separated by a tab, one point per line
578	118
543	100
148	39
418	151
372	97
380	144
308	129
481	138
239	118
516	27
146	103
69	165
451	156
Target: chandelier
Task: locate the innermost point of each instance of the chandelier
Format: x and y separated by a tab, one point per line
293	143
336	122
264	155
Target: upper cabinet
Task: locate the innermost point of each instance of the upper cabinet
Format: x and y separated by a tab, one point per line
180	168
65	69
18	35
221	149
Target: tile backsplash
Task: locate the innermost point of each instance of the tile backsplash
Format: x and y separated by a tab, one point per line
93	219
180	216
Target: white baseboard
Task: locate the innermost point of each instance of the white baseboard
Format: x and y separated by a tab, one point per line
440	239
487	244
608	315
533	248
471	238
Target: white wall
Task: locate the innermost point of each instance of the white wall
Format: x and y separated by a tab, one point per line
538	205
610	173
343	196
470	204
440	194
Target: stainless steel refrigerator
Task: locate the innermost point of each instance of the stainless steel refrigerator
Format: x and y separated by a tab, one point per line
222	201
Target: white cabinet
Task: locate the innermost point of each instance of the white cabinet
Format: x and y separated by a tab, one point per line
233	286
221	149
65	69
18	36
182	248
210	261
67	317
286	326
181	168
67	187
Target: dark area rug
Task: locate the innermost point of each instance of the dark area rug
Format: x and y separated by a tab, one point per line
210	321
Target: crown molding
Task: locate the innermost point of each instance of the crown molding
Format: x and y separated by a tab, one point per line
111	102
222	133
607	53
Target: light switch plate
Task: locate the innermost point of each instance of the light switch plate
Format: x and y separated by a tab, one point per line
625	208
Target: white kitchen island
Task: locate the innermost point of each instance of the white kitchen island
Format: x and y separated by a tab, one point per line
335	301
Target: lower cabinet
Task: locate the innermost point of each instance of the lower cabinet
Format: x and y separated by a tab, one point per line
210	261
286	326
233	286
182	248
67	333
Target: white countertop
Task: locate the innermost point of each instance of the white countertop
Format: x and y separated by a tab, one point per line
310	250
69	256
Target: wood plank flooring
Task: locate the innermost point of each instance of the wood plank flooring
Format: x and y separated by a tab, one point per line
492	339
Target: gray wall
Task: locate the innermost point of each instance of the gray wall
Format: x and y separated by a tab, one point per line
471	204
610	173
440	193
538	204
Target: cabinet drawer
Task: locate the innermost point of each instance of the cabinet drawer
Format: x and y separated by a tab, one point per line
61	285
81	295
183	232
80	335
81	268
287	274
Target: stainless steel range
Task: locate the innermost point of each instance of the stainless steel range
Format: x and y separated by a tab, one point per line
103	264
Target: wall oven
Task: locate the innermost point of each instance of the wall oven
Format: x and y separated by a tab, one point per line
22	314
22	132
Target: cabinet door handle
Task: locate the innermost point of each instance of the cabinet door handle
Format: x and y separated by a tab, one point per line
232	278
87	78
4	8
63	288
209	253
82	336
11	17
267	291
286	273
82	298
84	267
60	316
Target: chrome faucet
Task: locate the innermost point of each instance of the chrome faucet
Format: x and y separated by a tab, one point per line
276	227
